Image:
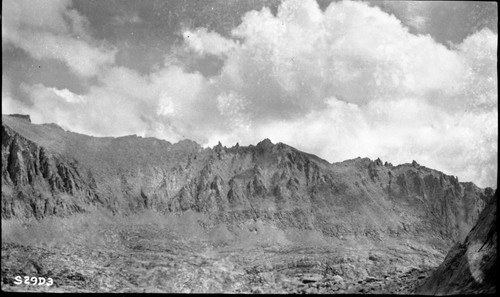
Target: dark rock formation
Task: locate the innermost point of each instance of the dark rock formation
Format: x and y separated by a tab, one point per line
471	266
36	182
46	170
22	116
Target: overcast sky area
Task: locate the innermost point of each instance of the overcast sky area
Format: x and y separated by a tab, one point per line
401	81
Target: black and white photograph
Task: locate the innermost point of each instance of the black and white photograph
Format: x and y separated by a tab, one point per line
249	146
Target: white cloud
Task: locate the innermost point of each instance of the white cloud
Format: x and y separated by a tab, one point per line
52	30
411	94
164	104
480	88
232	106
67	95
203	42
350	81
415	13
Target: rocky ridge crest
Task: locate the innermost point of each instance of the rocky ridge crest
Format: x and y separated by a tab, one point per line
48	171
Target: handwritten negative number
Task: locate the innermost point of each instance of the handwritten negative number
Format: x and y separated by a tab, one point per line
33	281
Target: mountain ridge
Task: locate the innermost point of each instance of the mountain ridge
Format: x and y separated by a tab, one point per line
272	181
38	137
357	219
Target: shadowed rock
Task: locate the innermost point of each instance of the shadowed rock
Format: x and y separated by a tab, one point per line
22	116
471	266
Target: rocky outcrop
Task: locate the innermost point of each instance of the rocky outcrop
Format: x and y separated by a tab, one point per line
22	116
36	182
470	266
46	170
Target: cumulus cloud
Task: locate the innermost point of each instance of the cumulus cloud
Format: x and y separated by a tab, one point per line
478	53
345	82
415	13
203	42
353	81
52	30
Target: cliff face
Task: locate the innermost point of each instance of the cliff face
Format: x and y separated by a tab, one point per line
470	266
357	197
36	182
46	170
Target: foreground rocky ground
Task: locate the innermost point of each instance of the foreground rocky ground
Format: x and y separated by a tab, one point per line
151	258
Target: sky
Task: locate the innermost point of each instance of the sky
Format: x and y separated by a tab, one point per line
396	80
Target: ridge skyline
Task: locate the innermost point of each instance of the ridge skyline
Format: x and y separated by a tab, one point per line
237	145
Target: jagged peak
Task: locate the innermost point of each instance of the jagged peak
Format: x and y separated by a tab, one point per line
187	142
415	164
219	148
265	143
357	160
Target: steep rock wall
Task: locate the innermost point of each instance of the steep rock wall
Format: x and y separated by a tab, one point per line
46	170
37	183
470	266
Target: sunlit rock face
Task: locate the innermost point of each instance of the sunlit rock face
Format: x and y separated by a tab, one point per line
38	183
471	266
48	171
